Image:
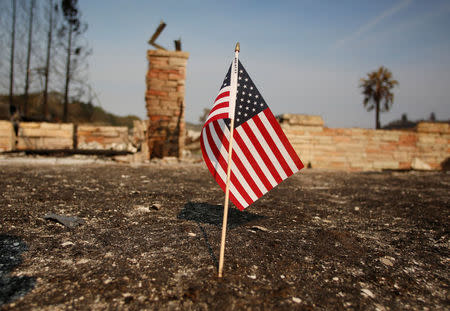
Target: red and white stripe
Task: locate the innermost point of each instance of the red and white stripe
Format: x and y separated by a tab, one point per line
262	157
220	110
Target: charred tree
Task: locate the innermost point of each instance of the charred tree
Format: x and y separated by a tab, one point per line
28	70
12	107
72	30
47	59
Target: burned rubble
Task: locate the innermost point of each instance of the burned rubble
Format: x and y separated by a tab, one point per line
320	240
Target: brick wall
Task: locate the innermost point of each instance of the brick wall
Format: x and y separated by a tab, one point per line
433	143
351	149
36	135
7	136
102	137
140	138
54	136
356	149
165	102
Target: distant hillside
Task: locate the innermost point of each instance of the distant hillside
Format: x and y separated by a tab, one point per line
79	112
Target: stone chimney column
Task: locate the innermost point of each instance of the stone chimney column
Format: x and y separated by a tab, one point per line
165	102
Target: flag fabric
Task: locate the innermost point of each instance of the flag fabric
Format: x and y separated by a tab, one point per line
262	156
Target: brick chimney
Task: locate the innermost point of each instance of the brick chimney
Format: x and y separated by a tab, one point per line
165	102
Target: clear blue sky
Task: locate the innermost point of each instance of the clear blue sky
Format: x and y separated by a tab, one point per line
304	56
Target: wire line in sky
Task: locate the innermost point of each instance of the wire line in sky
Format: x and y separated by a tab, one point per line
371	24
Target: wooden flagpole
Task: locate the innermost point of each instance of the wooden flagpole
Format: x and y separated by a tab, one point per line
233	85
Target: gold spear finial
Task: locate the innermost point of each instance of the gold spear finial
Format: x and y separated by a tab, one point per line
238	47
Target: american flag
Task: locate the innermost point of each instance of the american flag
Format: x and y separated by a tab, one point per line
262	156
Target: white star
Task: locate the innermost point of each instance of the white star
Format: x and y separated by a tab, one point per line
246	108
245	114
246	79
250	94
243	93
261	105
240	106
241	71
248	101
242	99
251	88
254	103
239	78
245	86
237	120
239	113
256	96
253	109
239	84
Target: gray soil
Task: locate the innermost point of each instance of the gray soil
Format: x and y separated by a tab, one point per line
150	239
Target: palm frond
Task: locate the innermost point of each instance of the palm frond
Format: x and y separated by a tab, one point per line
377	87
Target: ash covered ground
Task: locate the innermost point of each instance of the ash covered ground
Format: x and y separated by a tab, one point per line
321	240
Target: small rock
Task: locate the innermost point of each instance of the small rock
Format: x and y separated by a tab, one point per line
260	228
68	221
252	276
16	244
335	279
296	300
379	307
141	298
192	234
367	292
141	209
282	276
82	261
156	206
386	261
67	243
66	261
356	208
108	255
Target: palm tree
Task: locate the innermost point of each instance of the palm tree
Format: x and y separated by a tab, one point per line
377	90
